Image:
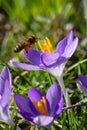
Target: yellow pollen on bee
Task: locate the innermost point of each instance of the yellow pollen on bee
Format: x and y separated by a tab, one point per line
41	106
46	46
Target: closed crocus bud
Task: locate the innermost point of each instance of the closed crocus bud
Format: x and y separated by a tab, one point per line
82	83
5	93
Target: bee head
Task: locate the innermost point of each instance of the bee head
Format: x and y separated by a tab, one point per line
32	39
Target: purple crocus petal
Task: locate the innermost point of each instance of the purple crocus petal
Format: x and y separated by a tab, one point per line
83	79
70	49
60	60
6	94
49	59
25	105
33	56
22	103
27	116
53	96
70	37
34	94
26	66
59	107
45	121
81	87
67	46
5	75
33	109
63	43
82	83
61	46
1	84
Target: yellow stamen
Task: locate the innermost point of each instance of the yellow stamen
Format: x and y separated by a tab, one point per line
46	46
41	106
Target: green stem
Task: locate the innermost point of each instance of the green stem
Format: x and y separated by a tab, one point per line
68	103
64	91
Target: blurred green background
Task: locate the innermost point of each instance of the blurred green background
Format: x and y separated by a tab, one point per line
51	18
20	18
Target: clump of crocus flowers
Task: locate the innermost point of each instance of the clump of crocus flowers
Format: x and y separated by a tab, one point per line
37	108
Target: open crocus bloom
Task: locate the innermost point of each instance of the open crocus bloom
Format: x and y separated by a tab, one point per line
82	83
5	93
48	59
39	109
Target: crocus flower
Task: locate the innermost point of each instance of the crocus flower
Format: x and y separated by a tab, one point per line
5	93
39	109
49	59
82	83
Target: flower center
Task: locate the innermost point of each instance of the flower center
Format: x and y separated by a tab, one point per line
41	106
46	46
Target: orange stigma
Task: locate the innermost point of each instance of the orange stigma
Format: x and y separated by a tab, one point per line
41	106
46	46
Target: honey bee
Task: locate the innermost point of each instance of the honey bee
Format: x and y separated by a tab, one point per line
26	44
